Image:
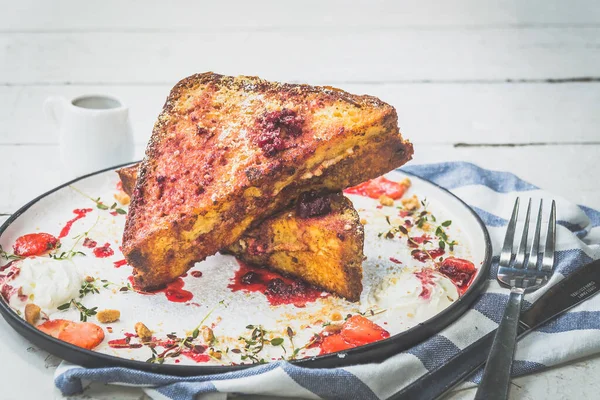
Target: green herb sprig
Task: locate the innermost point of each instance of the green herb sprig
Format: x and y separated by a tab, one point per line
84	312
99	204
187	342
67	255
118	210
256	342
89	287
8	256
295	352
443	236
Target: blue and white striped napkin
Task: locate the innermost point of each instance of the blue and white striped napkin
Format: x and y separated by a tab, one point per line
492	195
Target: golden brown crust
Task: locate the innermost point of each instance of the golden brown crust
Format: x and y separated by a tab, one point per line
208	176
324	250
128	176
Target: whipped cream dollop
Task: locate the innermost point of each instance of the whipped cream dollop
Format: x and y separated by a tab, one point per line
415	293
47	282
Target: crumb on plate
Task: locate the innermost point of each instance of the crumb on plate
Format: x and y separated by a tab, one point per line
107	316
32	313
143	332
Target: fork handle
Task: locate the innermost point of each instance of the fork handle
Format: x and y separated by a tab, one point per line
496	376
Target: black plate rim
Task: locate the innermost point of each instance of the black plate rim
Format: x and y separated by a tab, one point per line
372	352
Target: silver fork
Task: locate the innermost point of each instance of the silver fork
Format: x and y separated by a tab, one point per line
522	278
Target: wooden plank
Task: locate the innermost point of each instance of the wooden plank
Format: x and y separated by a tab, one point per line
28	171
334	57
110	15
573	380
428	114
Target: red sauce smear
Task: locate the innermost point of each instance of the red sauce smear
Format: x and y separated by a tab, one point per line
34	244
277	288
80	213
166	343
356	331
7	266
421	255
196	274
418	239
395	260
377	187
104	251
460	271
120	263
173	291
89	243
426	278
14	272
123	343
7	291
199	358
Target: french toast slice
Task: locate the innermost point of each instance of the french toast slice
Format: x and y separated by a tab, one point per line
325	250
320	241
227	152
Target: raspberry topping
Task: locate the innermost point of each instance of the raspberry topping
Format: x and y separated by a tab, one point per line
275	128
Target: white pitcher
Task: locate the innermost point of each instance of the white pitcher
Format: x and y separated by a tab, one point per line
95	132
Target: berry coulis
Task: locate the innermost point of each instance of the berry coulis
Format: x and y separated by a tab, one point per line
422	255
426	278
460	271
199	358
104	251
277	288
123	343
174	291
89	243
79	214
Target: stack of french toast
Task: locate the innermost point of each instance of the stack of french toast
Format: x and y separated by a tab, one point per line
256	169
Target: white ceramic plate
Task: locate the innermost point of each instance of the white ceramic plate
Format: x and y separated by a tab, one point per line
408	307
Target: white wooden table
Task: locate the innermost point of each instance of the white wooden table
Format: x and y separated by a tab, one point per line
509	85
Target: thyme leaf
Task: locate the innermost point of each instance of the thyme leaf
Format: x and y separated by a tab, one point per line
7	256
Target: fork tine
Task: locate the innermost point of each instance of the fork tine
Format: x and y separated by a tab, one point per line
535	245
506	253
520	258
548	260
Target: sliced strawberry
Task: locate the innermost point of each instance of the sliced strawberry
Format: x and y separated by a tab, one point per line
34	244
375	188
82	334
458	269
333	343
358	330
54	327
